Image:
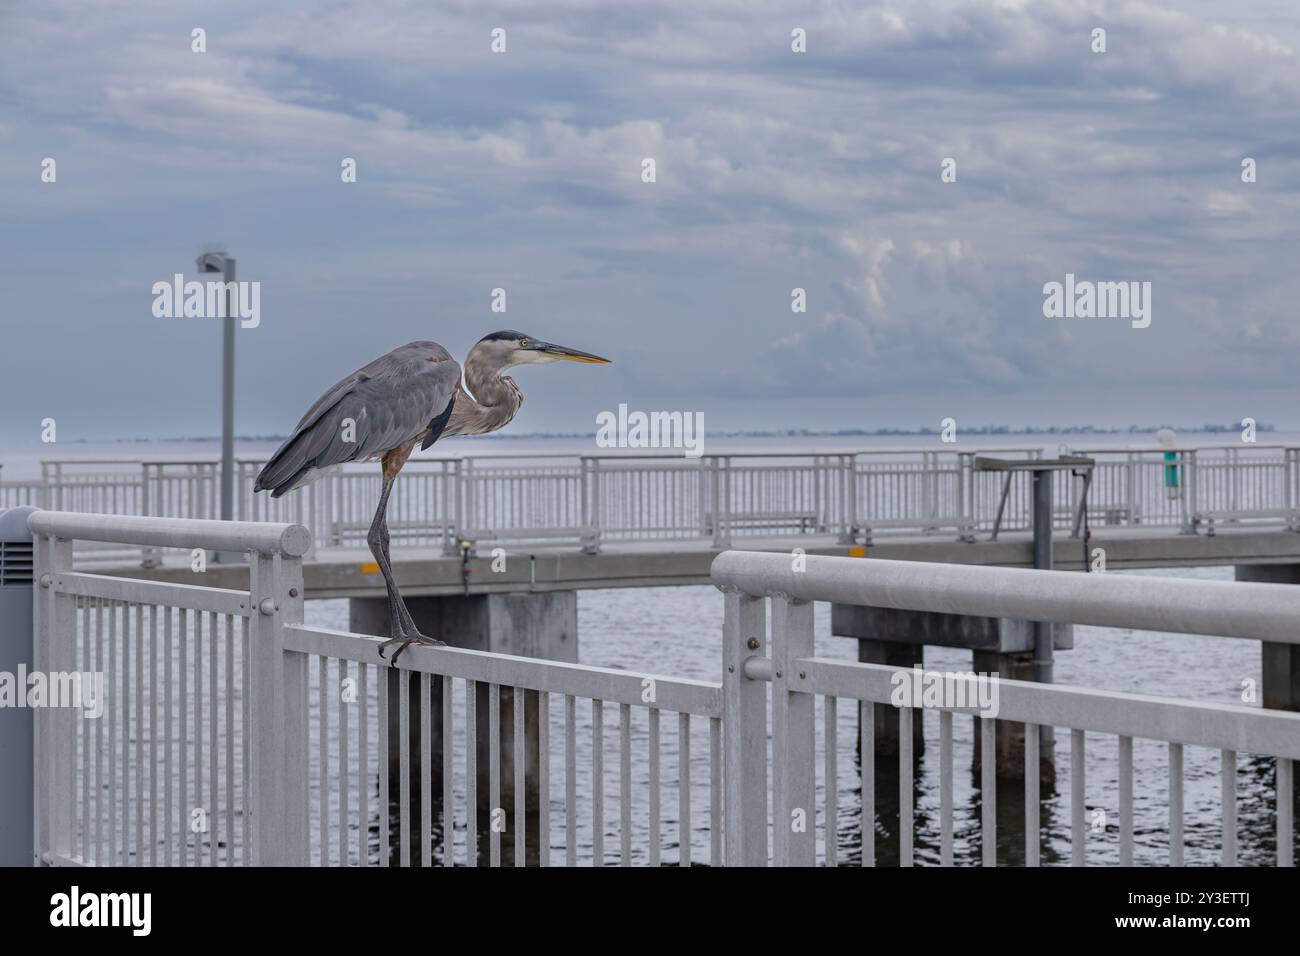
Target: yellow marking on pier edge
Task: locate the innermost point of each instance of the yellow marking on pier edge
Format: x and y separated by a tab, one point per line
369	567
857	551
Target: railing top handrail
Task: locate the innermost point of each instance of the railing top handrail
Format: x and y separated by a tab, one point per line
1266	612
291	540
1135	449
671	454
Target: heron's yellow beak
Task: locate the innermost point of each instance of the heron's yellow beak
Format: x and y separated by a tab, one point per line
570	355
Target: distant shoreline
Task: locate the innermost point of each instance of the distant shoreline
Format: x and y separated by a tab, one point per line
1207	429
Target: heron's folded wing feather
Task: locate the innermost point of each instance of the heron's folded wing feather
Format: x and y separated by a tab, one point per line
377	408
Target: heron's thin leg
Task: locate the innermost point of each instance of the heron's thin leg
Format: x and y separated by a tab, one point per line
399	618
401	627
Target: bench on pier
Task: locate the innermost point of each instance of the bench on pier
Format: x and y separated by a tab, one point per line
1098	513
586	537
1287	516
927	525
802	521
399	532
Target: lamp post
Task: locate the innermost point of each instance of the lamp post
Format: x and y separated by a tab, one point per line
208	263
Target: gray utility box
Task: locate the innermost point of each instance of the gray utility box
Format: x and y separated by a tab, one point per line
16	563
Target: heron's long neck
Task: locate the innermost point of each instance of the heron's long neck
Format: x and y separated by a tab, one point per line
491	402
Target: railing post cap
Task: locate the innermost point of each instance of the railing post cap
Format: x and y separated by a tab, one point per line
295	541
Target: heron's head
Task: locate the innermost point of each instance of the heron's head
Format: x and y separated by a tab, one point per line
508	347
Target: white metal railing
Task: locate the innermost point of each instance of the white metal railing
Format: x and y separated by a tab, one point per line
798	677
198	694
584	500
234	734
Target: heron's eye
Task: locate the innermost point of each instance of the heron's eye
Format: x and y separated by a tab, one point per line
523	343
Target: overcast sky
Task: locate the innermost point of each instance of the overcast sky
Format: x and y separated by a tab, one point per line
775	170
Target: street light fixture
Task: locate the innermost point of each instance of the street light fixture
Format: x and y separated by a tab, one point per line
210	262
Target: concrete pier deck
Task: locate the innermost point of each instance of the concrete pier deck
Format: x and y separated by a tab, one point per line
351	572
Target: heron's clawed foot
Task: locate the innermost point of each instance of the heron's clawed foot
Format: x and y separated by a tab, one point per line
406	640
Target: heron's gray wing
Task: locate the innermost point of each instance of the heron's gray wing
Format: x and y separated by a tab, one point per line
377	408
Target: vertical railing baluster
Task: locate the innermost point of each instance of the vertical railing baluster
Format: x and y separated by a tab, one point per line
494	773
385	760
684	788
99	734
867	760
597	782
126	736
322	760
520	776
570	780
471	773
543	779
202	815
945	788
404	767
715	791
363	764
213	818
988	792
625	784
81	746
1228	789
654	786
830	776
905	821
1125	801
1285	793
1175	804
1031	795
1078	806
426	770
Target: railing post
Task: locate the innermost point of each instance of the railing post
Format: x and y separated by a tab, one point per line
1130	489
149	557
56	485
793	741
1189	496
722	516
456	486
54	636
703	484
744	712
278	799
966	494
851	495
932	483
1231	462
1289	484
715	497
847	494
584	503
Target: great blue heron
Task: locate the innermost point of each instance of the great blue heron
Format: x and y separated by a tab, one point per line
413	395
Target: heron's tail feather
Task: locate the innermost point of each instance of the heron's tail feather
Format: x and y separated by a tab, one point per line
292	465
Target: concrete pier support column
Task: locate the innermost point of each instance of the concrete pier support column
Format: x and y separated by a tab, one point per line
1010	735
893	654
531	624
1000	646
1281	662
